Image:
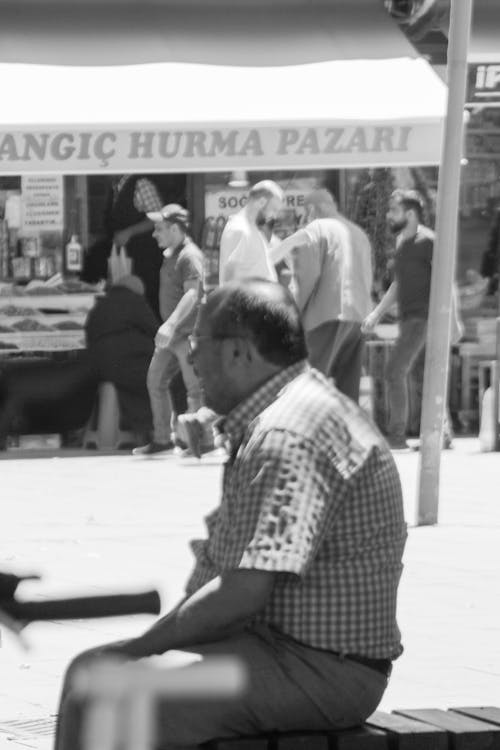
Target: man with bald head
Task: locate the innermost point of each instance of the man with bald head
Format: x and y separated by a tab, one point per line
298	575
244	250
332	279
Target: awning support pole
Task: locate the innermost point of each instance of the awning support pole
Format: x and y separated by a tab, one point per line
443	268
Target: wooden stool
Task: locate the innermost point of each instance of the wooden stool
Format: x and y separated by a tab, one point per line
103	429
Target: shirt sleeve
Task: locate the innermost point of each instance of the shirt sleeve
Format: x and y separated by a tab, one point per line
307	264
232	252
298	492
190	268
146	196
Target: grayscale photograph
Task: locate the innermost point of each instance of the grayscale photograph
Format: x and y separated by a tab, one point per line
249	374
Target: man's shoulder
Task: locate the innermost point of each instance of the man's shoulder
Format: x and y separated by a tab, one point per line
311	415
327	224
311	406
424	237
191	250
330	229
237	223
422	241
357	232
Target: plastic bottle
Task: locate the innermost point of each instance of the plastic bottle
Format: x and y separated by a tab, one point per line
209	234
488	424
74	255
219	228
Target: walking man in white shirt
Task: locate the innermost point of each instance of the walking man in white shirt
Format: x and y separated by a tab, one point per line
244	251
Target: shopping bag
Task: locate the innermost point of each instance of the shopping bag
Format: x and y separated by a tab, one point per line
119	264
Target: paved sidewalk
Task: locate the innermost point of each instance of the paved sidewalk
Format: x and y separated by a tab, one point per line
99	524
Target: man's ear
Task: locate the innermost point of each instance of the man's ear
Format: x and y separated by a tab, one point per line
237	352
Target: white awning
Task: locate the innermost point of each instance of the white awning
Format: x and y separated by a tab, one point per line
185	117
221	32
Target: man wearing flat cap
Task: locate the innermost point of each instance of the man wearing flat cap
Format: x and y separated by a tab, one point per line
180	284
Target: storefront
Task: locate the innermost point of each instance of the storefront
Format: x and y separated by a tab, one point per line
63	140
220	106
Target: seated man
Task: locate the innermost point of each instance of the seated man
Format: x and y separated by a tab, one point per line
120	331
299	574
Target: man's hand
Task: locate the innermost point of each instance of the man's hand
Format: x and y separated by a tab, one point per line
129	649
121	238
369	323
164	336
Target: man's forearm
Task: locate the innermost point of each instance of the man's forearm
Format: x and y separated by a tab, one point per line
389	298
220	607
146	225
182	311
283	250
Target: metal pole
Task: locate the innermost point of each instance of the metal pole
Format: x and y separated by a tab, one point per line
443	267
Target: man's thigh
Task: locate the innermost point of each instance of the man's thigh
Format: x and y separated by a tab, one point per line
409	344
323	346
289	687
181	350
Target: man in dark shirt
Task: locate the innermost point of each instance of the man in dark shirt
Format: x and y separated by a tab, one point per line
411	290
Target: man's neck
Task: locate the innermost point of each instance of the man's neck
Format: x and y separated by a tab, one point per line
409	232
172	249
250	211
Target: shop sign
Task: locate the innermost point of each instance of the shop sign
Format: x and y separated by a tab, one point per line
224	201
484	84
184	150
42	202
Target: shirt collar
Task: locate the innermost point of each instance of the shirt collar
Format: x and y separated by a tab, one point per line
237	421
170	251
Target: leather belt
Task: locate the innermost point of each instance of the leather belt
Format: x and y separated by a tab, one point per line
384	666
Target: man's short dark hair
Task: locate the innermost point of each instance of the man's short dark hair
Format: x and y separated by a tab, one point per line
264	312
410	200
172	213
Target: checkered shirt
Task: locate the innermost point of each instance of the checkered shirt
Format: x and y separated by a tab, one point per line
146	198
311	492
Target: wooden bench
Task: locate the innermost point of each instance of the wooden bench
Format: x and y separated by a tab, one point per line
123	695
404	729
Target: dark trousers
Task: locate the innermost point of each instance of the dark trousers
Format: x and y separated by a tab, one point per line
409	348
405	376
336	349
